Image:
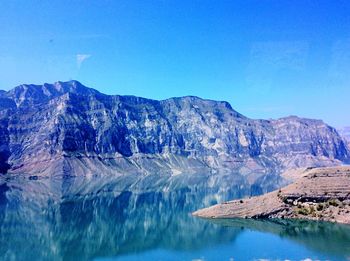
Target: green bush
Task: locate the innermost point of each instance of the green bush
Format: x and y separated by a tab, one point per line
303	211
333	202
320	207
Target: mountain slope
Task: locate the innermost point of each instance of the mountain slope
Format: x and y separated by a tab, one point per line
345	133
68	129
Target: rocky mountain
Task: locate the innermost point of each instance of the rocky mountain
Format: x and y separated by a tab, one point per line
345	133
66	128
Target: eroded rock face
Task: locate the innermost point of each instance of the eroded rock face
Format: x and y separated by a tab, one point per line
68	128
345	133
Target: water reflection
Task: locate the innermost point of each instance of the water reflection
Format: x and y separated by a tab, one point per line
324	237
80	219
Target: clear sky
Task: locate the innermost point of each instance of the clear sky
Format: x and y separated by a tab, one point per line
267	58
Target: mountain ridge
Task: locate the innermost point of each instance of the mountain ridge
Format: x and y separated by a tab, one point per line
73	86
68	128
92	90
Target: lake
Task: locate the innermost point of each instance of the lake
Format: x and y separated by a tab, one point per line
148	218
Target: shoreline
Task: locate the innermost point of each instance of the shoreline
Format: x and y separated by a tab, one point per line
319	194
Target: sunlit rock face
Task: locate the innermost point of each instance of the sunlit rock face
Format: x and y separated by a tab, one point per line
68	129
345	133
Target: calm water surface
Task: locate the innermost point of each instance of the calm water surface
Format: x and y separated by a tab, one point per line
129	219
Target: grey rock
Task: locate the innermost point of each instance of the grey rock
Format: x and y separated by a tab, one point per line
345	133
66	128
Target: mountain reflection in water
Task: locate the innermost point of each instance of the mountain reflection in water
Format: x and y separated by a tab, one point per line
135	218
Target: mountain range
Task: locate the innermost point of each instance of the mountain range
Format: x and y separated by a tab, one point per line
67	129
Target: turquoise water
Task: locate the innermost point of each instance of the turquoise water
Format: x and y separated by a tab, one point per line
65	220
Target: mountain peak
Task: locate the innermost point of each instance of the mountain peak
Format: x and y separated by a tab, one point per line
34	94
29	94
73	86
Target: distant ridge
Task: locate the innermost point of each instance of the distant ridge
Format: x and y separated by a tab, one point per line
66	128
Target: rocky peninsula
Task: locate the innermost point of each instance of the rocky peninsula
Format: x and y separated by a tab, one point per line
316	194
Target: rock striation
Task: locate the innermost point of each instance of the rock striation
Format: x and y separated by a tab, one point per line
66	128
318	194
345	133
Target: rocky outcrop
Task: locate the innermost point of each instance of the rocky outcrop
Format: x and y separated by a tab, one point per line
345	133
68	129
318	194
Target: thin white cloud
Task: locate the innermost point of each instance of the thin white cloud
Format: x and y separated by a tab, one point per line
268	59
82	58
340	60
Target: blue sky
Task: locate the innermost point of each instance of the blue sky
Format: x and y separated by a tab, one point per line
267	58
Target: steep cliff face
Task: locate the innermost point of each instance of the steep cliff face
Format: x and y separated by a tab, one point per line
345	133
67	128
